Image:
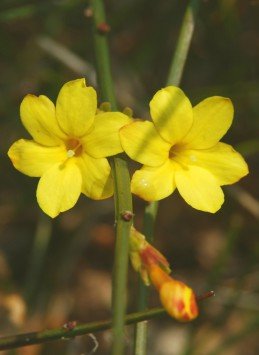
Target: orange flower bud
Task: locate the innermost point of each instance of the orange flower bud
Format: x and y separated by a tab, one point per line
143	255
177	298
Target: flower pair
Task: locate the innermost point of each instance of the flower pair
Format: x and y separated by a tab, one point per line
179	149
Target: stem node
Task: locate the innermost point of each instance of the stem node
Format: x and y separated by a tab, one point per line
127	215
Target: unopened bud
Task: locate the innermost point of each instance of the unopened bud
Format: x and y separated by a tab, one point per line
176	297
104	107
143	255
128	111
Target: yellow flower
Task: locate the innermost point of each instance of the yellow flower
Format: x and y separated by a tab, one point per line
181	149
69	146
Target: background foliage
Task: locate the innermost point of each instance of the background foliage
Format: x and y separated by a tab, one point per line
52	271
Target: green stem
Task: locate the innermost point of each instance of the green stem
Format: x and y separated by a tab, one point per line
174	78
148	227
68	331
37	259
122	194
149	220
104	77
141	328
120	269
141	338
183	44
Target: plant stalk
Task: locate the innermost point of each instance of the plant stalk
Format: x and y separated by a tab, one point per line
68	331
122	194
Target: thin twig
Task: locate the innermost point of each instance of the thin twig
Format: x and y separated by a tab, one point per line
62	333
249	202
67	57
183	44
37	259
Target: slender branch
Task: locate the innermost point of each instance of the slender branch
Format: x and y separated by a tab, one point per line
68	332
104	77
37	259
174	78
141	328
148	227
183	44
120	268
140	338
122	194
67	57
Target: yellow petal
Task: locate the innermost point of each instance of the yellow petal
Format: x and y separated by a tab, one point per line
59	188
104	140
38	117
97	179
34	159
171	112
76	107
227	165
212	118
142	143
199	188
154	183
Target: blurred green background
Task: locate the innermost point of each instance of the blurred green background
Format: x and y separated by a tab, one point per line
54	271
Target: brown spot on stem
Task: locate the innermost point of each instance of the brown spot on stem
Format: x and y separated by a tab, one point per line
103	28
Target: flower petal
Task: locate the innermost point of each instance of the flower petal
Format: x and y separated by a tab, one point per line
38	117
76	107
59	188
199	188
142	143
212	118
171	112
227	165
154	183
104	140
34	159
97	179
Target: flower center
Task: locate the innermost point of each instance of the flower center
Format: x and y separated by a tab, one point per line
174	151
183	157
176	154
74	147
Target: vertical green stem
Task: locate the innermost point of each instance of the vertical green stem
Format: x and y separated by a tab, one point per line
141	338
174	78
122	194
123	202
141	328
148	227
37	259
102	56
183	44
